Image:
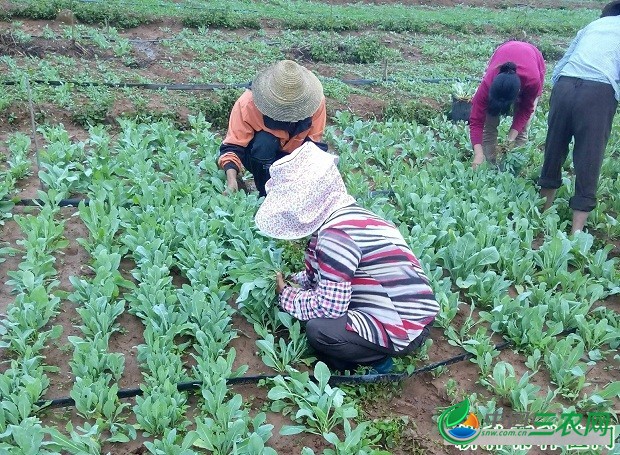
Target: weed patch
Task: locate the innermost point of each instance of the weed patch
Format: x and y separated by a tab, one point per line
220	19
412	111
216	111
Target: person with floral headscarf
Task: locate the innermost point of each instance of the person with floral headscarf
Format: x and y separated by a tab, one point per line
363	293
284	108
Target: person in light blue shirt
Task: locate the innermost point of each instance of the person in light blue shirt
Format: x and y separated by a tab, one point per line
585	94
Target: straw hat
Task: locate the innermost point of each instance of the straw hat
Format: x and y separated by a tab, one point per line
611	9
287	92
304	190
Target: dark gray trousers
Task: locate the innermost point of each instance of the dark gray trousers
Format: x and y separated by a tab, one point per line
342	349
583	110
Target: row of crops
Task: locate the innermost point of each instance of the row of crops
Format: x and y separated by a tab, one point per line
156	196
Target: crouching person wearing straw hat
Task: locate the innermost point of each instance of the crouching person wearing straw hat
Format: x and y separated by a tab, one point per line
363	293
284	108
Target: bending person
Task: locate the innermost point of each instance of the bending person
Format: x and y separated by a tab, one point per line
363	292
514	80
583	103
284	108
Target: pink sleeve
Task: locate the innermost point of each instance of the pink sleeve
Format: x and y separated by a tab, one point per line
478	113
524	109
542	69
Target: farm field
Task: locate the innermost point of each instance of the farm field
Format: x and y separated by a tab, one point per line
135	290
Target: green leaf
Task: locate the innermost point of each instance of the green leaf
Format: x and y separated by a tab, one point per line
466	283
277	393
487	256
611	390
322	375
288	430
331	438
119	437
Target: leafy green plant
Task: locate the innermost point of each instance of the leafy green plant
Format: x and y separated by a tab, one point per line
95	108
596	334
316	407
462	91
483	350
216	109
601	399
503	381
228	428
355	441
565	365
168	444
285	352
19	147
161	409
533	330
83	441
457	338
413	111
552	258
485	289
449	307
462	257
256	281
220	18
28	438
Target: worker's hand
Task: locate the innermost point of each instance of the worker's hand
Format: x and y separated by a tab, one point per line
478	156
232	186
509	145
280	283
478	160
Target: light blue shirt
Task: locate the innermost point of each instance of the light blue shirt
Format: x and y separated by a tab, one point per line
594	54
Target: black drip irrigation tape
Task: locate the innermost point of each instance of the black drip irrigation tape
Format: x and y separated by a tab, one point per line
136	85
188	87
38	202
334	380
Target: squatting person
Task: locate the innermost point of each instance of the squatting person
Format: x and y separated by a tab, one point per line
514	79
583	103
283	108
363	293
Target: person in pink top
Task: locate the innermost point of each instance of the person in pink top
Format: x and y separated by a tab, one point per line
514	77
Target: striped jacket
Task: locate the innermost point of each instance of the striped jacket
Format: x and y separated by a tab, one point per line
359	264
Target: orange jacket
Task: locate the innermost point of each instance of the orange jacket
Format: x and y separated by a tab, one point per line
245	120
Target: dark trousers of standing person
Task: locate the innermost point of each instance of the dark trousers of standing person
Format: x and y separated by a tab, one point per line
583	110
262	151
343	350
